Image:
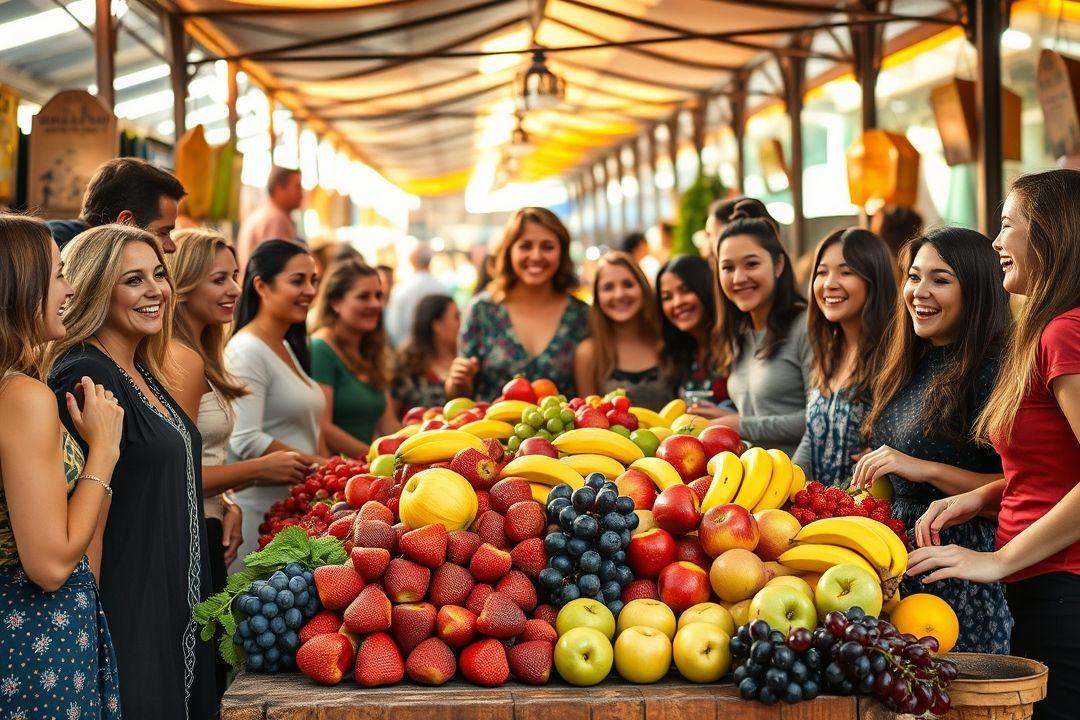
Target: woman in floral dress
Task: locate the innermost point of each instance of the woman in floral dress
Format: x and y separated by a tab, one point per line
56	654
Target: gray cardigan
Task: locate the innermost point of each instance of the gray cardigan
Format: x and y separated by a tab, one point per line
770	395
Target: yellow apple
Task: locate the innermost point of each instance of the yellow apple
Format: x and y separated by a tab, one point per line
645	521
784	608
701	652
585	612
642	654
740	612
650	613
710	613
737	574
583	656
796	582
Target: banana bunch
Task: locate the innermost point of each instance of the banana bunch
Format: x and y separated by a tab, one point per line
590	463
672	410
598	441
486	428
648	418
436	446
508	411
659	471
543	470
758	480
540	492
857	540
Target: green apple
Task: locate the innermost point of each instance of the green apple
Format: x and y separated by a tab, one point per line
793	581
711	613
701	652
642	654
583	656
383	465
650	613
784	608
585	612
457	406
845	586
646	440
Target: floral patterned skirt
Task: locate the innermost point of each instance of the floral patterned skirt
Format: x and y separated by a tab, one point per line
56	654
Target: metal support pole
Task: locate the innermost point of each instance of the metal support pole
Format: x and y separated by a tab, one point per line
105	52
624	221
794	71
737	102
635	169
270	124
866	46
989	19
176	51
658	203
673	152
588	206
602	183
697	117
233	96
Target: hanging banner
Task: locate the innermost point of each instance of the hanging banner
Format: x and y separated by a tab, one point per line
70	137
196	168
1058	88
954	111
9	142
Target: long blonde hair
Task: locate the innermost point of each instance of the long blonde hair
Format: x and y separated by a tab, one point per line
92	265
374	350
189	266
602	329
25	265
1047	201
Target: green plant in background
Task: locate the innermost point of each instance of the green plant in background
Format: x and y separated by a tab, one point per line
693	211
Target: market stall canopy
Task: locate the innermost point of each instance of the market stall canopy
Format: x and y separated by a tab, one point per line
414	89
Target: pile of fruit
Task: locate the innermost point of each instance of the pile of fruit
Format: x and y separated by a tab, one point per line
302	505
816	502
274	611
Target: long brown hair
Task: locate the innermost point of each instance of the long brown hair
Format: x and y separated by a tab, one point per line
25	266
503	278
869	258
948	404
419	349
1047	201
602	329
374	354
189	266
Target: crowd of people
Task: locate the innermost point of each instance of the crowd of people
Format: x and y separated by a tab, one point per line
158	395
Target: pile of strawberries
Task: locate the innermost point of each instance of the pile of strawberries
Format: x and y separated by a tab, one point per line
816	501
302	506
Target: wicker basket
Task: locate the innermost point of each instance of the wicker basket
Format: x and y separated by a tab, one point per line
995	687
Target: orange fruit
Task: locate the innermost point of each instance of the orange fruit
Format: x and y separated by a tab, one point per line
925	614
544	387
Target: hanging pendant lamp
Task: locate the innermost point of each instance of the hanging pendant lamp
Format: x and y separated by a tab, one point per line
538	88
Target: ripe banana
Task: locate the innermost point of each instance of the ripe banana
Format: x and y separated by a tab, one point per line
798	481
659	471
486	428
408	431
648	418
508	410
591	462
727	477
436	446
544	470
587	441
855	536
757	471
817	558
776	494
672	410
540	492
898	553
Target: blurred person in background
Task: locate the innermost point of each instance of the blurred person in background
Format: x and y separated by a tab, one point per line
272	219
408	293
896	224
386	277
423	361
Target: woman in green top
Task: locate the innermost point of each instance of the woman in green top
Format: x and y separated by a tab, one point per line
349	358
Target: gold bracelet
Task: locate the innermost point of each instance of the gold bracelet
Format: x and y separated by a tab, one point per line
99	481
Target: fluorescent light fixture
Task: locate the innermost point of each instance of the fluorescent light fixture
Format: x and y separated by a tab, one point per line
162	101
50	23
1015	39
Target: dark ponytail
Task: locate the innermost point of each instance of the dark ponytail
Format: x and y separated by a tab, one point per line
267	262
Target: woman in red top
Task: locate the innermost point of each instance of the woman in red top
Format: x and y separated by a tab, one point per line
1033	420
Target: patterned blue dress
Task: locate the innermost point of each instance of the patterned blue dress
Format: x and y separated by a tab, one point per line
832	436
985	621
56	654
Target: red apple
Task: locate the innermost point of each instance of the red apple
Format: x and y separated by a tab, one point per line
358	490
726	527
538	446
777	529
677	510
639	487
701	486
718	438
519	389
685	453
388	445
683	585
432	425
414	415
650	552
590	417
688	548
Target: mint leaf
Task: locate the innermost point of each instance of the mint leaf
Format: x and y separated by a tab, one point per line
327	551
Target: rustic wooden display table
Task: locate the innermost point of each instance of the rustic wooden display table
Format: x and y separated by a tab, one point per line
294	697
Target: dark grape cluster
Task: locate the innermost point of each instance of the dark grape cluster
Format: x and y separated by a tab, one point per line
772	667
275	609
587	551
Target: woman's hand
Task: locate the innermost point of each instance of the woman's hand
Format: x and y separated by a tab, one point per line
944	513
886	461
953	561
727	419
100	422
232	531
708	411
283	467
461	374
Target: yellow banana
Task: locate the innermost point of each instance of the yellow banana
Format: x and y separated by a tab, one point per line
409	430
776	494
898	553
486	428
662	432
540	492
659	471
694	423
544	470
841	531
437	446
817	558
591	462
648	418
757	471
727	477
798	481
672	410
587	441
508	410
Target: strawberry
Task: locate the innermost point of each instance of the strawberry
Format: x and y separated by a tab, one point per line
640	589
529	556
431	662
517	586
322	622
379	661
370	562
450	585
500	617
489	563
491	527
455	625
369	612
479	594
460	546
373	510
701	486
426	546
547	613
484	663
530	662
524	520
476	467
495	449
337	585
411	624
508	491
483	504
380	489
536	629
406	581
399	532
373	534
326	658
342	527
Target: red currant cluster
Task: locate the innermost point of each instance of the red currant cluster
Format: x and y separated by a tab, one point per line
816	501
326	485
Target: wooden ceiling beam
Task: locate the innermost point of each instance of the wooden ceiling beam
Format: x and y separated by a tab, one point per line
256	11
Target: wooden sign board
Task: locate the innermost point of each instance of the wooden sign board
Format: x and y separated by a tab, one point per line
954	110
1058	87
9	142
